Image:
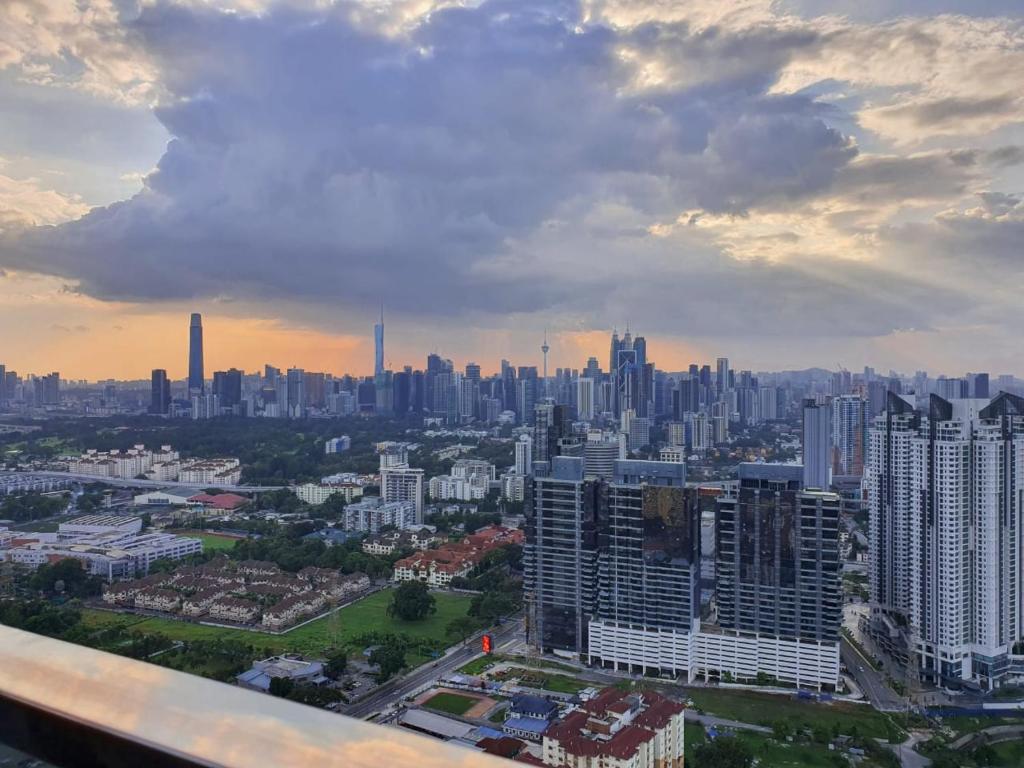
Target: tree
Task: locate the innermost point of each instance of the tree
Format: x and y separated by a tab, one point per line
281	686
460	627
336	664
66	577
412	601
389	659
491	606
723	752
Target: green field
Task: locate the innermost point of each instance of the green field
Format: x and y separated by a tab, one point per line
212	542
367	615
452	703
767	709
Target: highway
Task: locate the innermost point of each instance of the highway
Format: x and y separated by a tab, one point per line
126	482
395	690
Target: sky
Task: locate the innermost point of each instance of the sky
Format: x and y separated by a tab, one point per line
789	183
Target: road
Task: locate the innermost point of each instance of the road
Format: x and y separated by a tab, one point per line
396	690
870	680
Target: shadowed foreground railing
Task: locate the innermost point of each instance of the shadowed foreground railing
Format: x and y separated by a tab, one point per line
74	706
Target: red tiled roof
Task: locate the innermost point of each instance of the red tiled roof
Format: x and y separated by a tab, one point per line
656	712
504	746
526	757
220	500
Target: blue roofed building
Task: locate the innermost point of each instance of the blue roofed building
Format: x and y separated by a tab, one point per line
530	728
530	706
299	672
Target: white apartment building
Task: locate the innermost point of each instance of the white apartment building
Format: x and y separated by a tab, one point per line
316	494
403	483
944	489
216	472
524	455
471	488
125	464
372	513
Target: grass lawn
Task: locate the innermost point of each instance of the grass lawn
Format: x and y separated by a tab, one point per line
211	541
452	703
367	615
476	666
1009	753
766	709
563	684
498	715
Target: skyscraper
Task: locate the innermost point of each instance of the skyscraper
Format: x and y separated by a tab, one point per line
585	399
560	555
196	378
777	561
817	445
849	435
944	487
722	374
544	348
160	392
378	345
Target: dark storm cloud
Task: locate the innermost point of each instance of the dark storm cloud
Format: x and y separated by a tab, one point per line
312	160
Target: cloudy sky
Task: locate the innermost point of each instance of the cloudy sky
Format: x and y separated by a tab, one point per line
788	182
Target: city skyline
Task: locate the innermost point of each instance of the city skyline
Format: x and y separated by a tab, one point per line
307	357
849	184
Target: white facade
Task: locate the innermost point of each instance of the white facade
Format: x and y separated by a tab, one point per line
524	455
370	515
585	399
224	471
708	654
946	524
458	488
317	494
402	483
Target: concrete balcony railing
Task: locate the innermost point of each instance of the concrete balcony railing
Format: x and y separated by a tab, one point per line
74	706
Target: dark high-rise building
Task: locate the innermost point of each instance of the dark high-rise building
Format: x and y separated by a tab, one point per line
196	379
686	397
160	392
46	389
366	396
3	383
777	562
295	402
560	556
417	397
551	428
315	386
401	384
649	543
227	385
621	549
977	385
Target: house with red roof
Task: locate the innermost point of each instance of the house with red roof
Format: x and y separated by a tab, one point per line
619	729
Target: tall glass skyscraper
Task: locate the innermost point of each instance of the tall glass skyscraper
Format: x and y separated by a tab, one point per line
196	380
378	345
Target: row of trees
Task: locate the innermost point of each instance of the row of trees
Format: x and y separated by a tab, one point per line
26	507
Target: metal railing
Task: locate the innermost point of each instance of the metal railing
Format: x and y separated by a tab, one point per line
75	706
